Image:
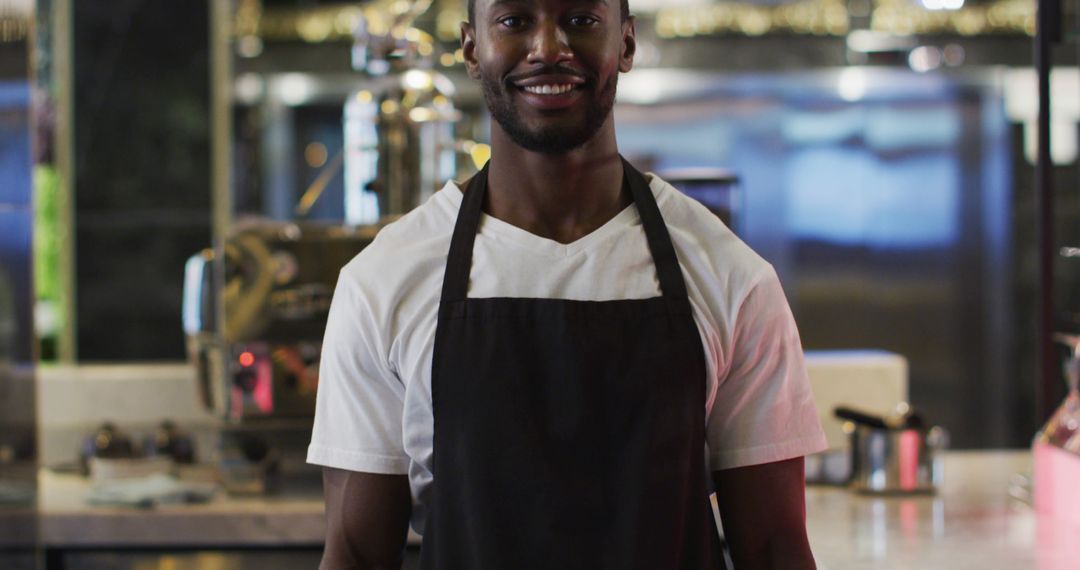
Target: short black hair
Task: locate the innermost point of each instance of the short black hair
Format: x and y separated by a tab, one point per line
624	8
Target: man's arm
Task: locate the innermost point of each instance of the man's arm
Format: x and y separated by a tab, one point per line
367	520
763	509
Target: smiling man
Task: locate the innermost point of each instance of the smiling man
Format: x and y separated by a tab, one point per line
552	366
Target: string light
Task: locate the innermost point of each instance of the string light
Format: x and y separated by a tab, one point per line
1000	17
802	17
831	17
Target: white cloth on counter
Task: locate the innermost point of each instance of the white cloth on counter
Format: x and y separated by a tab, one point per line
149	491
374	411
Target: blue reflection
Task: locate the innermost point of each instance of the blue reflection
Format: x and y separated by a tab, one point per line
14	142
881	174
16	343
850	196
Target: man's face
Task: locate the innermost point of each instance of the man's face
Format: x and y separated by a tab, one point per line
549	68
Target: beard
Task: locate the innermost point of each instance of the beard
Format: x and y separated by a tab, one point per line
551	140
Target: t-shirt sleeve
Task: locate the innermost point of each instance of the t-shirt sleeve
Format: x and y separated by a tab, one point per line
360	399
763	411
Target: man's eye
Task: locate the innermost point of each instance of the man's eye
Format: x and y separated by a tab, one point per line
512	21
583	21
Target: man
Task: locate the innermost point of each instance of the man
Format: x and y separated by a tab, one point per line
542	367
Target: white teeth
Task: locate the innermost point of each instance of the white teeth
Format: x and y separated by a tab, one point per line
549	89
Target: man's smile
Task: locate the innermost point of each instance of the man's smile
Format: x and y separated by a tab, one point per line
550	91
550	108
549	83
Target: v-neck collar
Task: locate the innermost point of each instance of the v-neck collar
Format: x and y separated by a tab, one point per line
459	257
493	227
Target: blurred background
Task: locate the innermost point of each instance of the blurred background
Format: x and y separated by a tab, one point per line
181	180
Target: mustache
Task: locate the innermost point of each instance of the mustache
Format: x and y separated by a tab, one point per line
549	70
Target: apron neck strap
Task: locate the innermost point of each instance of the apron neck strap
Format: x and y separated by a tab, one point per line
668	271
459	261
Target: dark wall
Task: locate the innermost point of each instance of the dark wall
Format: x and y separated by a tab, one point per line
1066	180
142	171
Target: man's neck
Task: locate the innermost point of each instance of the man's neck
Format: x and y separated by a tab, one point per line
560	197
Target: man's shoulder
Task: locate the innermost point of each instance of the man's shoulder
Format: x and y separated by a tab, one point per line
703	239
685	213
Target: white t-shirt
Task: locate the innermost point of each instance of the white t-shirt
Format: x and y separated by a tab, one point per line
374	411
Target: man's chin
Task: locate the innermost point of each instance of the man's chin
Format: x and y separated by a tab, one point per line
550	142
549	133
554	136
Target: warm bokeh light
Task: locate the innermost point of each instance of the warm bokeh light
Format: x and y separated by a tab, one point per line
315	154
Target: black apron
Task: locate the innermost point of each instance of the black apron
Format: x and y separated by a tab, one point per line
568	434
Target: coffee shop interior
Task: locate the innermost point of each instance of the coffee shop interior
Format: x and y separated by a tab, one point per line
181	181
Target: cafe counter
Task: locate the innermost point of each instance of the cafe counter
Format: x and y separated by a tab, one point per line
975	521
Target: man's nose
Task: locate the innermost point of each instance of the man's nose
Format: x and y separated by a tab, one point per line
550	45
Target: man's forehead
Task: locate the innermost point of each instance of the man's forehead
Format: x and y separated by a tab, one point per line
494	3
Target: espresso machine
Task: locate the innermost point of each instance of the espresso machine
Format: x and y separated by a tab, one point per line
257	366
261	361
254	311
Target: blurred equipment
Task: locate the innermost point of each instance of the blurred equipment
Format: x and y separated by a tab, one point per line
399	125
260	361
280	277
1069	308
1057	448
399	144
110	454
107	442
259	369
893	454
872	380
255	307
169	441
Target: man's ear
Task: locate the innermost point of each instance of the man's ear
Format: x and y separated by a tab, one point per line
468	49
629	32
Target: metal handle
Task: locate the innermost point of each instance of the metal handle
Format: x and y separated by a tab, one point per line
198	302
860	417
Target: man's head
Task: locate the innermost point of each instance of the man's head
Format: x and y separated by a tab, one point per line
549	68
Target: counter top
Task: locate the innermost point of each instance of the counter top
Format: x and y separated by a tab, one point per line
68	521
292	520
971	523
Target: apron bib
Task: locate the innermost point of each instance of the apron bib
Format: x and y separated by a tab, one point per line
568	434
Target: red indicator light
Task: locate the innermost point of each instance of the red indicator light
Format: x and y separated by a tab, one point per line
247	359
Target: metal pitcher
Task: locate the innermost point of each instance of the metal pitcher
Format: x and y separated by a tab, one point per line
895	454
